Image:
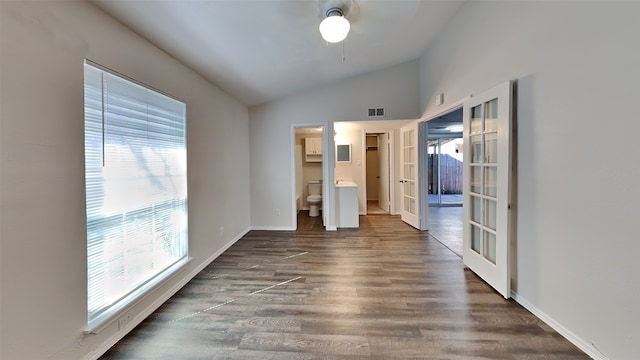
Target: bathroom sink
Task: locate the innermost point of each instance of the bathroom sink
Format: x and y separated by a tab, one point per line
346	184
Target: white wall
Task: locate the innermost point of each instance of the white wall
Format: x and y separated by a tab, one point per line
395	89
577	66
43	234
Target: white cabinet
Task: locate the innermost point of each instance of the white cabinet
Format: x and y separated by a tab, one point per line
313	149
347	213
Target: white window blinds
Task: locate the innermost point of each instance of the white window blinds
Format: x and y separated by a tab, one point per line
136	190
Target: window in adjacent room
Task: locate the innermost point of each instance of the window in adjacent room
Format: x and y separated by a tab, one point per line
136	190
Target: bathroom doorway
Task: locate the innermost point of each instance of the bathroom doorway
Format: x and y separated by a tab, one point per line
310	172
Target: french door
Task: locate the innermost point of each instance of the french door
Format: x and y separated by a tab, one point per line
410	206
486	175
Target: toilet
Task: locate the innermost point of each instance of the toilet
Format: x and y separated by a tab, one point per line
315	197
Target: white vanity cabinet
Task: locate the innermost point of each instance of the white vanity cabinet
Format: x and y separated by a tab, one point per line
347	211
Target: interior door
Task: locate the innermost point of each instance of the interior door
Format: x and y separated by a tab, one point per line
486	188
383	184
410	205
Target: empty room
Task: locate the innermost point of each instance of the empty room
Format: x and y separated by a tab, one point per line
188	179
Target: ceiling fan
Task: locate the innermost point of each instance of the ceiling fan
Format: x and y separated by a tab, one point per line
337	16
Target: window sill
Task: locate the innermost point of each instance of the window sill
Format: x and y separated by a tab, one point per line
119	309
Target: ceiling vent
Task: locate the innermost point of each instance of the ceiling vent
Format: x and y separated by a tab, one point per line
376	112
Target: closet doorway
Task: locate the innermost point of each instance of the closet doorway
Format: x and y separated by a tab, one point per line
378	184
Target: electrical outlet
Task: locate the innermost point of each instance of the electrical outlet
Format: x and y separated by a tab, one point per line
124	320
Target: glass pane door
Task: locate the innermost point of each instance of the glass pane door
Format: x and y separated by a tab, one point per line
409	173
487	124
483	134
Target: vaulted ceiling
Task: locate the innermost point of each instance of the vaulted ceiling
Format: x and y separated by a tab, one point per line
262	50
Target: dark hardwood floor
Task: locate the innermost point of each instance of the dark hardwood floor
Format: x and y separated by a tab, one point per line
382	291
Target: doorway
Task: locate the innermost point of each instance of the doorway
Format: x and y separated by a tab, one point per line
444	159
309	158
444	162
377	161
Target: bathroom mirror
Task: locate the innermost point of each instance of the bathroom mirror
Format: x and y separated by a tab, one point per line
343	154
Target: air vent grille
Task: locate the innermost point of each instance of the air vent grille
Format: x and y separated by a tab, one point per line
376	112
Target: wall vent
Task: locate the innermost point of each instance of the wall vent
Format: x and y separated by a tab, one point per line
376	112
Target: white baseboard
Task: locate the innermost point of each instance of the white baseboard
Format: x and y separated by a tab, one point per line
274	228
94	355
583	345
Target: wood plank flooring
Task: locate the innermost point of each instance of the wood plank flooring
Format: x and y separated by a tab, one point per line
384	291
445	224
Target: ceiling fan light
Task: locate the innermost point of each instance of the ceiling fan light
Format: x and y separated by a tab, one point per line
335	27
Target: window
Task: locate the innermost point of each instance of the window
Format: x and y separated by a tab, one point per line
136	190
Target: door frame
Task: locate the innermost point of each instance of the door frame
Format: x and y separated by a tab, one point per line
390	167
387	152
423	152
328	165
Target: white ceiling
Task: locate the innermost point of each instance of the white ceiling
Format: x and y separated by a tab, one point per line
262	50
